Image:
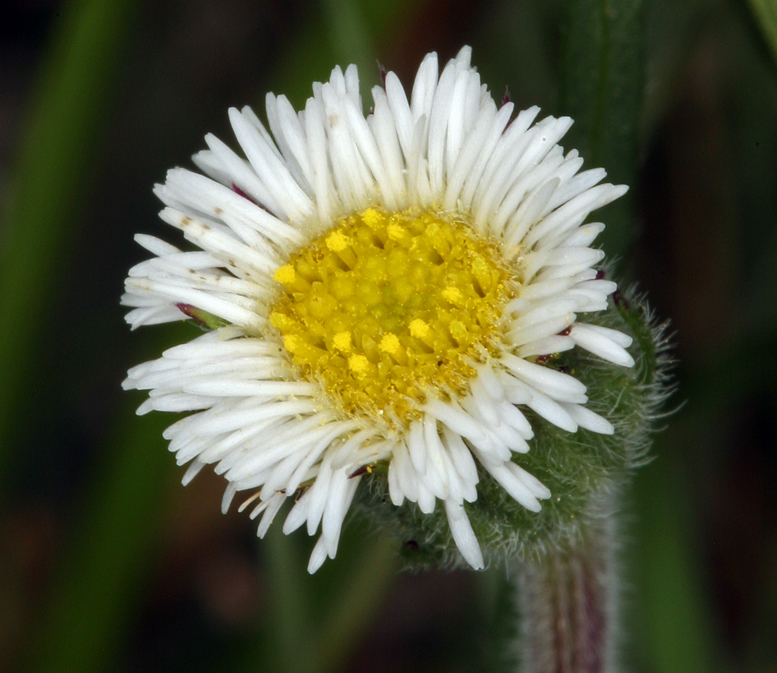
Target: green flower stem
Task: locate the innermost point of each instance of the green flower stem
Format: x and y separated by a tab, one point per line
566	605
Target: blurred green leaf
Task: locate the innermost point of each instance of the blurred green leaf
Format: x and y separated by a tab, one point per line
371	572
675	617
765	12
316	621
350	36
108	556
500	654
339	32
76	82
292	621
602	80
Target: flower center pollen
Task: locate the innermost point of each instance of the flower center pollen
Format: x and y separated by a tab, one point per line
385	308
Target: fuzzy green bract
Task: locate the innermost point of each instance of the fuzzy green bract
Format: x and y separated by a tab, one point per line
579	468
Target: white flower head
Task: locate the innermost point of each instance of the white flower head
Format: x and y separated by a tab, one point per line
383	291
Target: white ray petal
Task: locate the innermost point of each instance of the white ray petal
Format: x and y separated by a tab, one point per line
464	536
601	344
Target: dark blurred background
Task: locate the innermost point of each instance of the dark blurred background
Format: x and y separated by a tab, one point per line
108	564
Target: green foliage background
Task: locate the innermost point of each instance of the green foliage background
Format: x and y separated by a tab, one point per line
107	564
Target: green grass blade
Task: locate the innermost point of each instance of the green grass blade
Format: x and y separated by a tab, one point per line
678	629
602	77
96	589
372	575
313	623
765	13
350	36
291	622
76	82
339	32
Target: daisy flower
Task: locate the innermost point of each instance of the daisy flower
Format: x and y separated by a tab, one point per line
383	292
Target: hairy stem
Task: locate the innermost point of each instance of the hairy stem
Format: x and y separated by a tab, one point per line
566	601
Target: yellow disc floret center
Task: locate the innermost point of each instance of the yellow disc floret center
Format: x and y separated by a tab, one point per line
385	308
